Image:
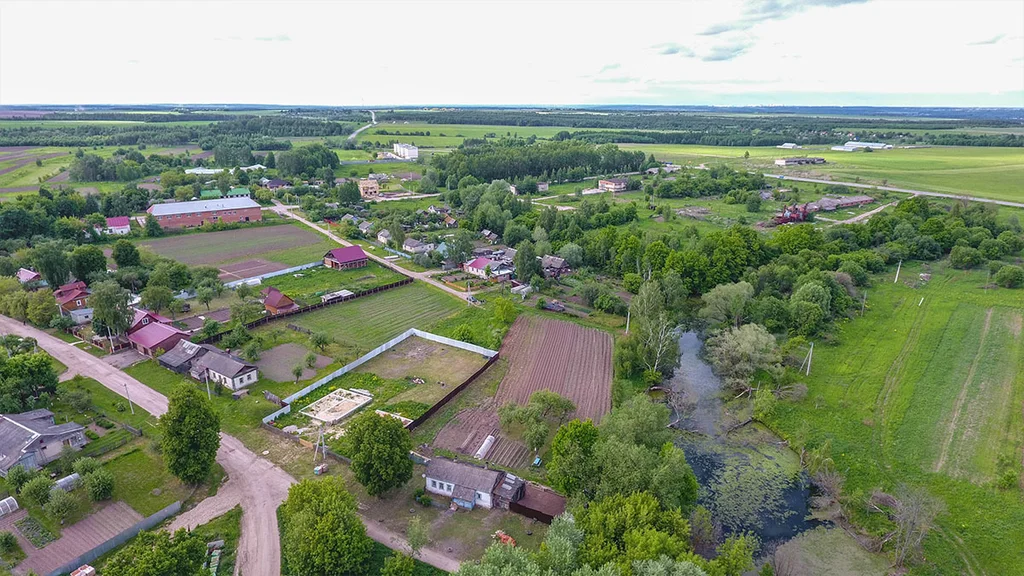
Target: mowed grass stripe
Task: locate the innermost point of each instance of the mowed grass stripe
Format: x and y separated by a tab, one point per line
368	322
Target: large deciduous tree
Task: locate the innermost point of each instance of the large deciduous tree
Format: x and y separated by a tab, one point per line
322	533
111	308
52	262
379	447
191	434
738	353
727	303
572	468
126	254
87	260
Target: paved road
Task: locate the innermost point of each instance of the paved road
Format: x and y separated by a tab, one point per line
373	120
894	189
424	276
255	483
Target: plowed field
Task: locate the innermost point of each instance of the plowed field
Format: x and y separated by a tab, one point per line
563	357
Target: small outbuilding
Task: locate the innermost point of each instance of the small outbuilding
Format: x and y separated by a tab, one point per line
276	302
346	257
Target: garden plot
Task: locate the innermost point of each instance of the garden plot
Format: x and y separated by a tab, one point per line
307	286
285	244
565	358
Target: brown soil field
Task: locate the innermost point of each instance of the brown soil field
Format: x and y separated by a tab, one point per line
216	248
470	427
563	357
417	357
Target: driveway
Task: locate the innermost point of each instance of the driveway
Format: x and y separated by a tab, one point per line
259	486
123	359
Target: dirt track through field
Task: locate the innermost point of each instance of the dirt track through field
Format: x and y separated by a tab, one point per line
951	429
563	357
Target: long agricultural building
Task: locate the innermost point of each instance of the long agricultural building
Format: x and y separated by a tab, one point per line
199	212
798	161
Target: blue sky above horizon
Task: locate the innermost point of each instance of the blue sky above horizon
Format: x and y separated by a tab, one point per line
557	52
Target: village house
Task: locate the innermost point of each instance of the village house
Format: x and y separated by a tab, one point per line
469	486
450	222
224	368
554	267
542	186
489	236
613	185
276	302
344	258
26	276
199	212
154	336
32	439
144	318
73	299
438	209
118	226
480	266
275	184
368	188
384	236
414	246
366	227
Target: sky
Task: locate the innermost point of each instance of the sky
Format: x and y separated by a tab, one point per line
551	52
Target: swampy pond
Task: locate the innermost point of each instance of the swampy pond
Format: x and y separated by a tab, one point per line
749	480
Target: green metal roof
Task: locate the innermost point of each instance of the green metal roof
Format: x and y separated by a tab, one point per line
241	191
208	194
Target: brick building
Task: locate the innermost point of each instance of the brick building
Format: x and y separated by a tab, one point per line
199	212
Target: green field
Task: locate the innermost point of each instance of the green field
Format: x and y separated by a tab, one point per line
290	244
137	473
927	389
317	281
972	171
451	135
364	323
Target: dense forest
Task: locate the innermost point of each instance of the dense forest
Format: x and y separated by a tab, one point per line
514	158
723	130
260	132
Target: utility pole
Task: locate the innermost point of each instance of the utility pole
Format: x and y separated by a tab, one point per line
206	376
810	356
898	266
128	396
628	313
863	300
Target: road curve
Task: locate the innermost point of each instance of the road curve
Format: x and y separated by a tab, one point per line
255	483
424	276
894	189
373	120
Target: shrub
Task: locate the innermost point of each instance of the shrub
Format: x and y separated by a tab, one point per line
8	542
38	489
60	505
965	257
85	465
104	423
91	435
100	484
18	477
1010	277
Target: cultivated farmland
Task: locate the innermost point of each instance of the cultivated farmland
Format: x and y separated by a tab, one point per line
285	244
563	357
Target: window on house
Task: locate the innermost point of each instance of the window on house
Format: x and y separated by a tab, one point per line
433	483
145	321
78	302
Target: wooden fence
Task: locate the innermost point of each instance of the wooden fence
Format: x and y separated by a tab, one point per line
338	300
449	396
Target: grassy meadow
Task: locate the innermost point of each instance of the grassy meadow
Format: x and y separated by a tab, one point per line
983	172
926	389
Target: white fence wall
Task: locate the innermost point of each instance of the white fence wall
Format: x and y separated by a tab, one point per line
234	283
486	352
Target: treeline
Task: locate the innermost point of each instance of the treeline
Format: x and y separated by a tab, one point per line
515	158
718	180
260	132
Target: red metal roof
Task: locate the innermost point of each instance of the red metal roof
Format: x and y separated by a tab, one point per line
153	334
67	296
481	263
275	298
347	254
118	222
140	314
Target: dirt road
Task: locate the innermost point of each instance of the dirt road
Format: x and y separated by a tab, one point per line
255	483
863	216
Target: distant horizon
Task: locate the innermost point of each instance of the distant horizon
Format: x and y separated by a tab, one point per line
578	106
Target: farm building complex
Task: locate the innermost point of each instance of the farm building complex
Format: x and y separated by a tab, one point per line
199	212
799	161
613	185
407	151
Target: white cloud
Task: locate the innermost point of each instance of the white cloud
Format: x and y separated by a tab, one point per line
958	53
